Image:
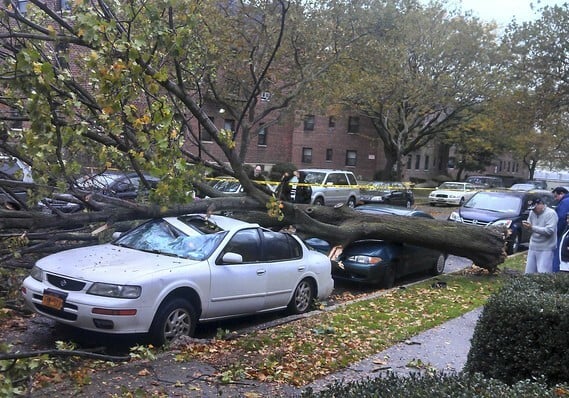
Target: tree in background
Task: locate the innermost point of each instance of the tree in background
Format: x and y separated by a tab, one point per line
420	72
539	81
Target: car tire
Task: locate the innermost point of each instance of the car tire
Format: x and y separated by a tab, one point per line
352	202
388	278
439	266
514	244
302	298
175	318
319	201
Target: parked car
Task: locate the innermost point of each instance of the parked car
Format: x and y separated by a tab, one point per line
486	182
332	187
538	184
167	274
126	186
390	192
502	209
382	262
522	187
13	197
452	193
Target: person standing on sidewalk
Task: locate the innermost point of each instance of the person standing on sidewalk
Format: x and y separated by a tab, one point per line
542	222
562	209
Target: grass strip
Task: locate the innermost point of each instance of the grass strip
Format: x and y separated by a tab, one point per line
310	348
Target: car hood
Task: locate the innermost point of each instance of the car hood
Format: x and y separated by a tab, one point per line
448	192
108	263
485	215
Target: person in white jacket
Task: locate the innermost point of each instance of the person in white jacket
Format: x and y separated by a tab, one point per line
542	222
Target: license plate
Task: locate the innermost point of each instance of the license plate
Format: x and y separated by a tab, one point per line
53	299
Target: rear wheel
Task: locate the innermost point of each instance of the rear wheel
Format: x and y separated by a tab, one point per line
175	318
319	202
439	266
302	298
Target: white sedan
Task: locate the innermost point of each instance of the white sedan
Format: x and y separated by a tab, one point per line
452	193
167	274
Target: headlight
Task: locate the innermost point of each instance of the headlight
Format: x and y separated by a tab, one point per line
36	273
118	291
502	223
364	259
454	216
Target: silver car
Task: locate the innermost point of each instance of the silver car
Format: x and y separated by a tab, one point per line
332	187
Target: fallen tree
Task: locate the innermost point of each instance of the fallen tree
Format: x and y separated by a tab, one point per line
337	225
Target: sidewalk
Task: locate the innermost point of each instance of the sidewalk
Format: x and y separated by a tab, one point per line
444	348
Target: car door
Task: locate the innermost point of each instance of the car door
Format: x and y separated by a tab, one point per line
239	287
336	185
282	255
397	194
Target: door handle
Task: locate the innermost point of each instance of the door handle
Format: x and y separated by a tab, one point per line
301	268
261	272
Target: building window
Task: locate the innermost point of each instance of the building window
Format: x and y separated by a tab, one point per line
426	162
331	122
417	162
451	162
62	51
229	125
351	158
353	124
409	162
17	123
205	136
309	123
63	5
22	4
306	155
262	139
329	153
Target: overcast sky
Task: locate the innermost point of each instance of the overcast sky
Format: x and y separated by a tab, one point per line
502	11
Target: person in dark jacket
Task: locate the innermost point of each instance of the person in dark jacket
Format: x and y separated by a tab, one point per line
303	191
561	196
284	189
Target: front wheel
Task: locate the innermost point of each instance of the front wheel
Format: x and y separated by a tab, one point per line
388	278
439	266
302	297
352	202
514	245
174	318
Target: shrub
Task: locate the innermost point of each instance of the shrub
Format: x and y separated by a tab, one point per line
279	169
522	331
438	385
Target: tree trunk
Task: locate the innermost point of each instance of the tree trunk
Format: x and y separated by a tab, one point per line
33	232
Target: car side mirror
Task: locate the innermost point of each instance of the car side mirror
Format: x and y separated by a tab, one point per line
232	258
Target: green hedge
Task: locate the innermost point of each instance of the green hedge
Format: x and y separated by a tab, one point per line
439	385
523	331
